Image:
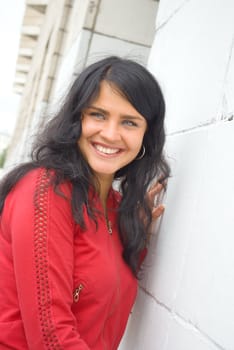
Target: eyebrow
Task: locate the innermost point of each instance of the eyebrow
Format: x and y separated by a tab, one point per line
132	117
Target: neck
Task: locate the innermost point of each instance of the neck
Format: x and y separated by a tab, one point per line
105	183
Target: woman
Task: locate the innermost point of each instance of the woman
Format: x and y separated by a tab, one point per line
71	246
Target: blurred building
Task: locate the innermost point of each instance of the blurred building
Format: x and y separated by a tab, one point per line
4	141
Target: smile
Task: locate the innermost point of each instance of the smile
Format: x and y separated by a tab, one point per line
106	150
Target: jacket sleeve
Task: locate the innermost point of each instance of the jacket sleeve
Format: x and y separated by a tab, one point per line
42	232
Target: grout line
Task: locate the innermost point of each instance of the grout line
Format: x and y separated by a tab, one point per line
171	15
212	122
224	110
181	320
118	38
229	60
91	36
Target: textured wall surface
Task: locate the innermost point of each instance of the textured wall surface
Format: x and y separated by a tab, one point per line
186	299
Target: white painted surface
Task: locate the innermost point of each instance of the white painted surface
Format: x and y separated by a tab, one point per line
190	56
227	102
128	20
187	300
102	46
206	291
148	326
73	60
168	9
182	336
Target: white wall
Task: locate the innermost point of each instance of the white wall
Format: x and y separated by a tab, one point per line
187	297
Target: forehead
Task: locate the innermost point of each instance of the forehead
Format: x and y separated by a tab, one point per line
109	89
110	97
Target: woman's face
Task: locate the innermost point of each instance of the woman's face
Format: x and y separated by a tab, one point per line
112	132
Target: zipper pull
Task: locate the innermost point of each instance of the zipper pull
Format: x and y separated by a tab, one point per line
109	227
76	293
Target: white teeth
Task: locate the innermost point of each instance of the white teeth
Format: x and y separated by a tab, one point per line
106	150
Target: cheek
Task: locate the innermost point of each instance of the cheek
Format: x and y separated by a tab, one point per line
140	137
136	142
88	129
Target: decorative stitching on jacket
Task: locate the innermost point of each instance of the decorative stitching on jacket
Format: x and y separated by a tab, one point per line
50	339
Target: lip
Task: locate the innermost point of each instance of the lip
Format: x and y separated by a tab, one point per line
106	155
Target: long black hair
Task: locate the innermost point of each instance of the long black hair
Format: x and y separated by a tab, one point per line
56	148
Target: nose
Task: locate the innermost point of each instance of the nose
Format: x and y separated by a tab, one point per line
110	132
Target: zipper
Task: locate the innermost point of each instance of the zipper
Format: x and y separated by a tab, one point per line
109	226
116	303
76	293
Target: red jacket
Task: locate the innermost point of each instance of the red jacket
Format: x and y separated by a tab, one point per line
60	287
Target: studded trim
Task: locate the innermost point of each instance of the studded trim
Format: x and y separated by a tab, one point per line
50	338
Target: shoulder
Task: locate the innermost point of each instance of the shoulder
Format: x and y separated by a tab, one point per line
40	179
35	187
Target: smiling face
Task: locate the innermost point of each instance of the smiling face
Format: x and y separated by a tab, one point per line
112	132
